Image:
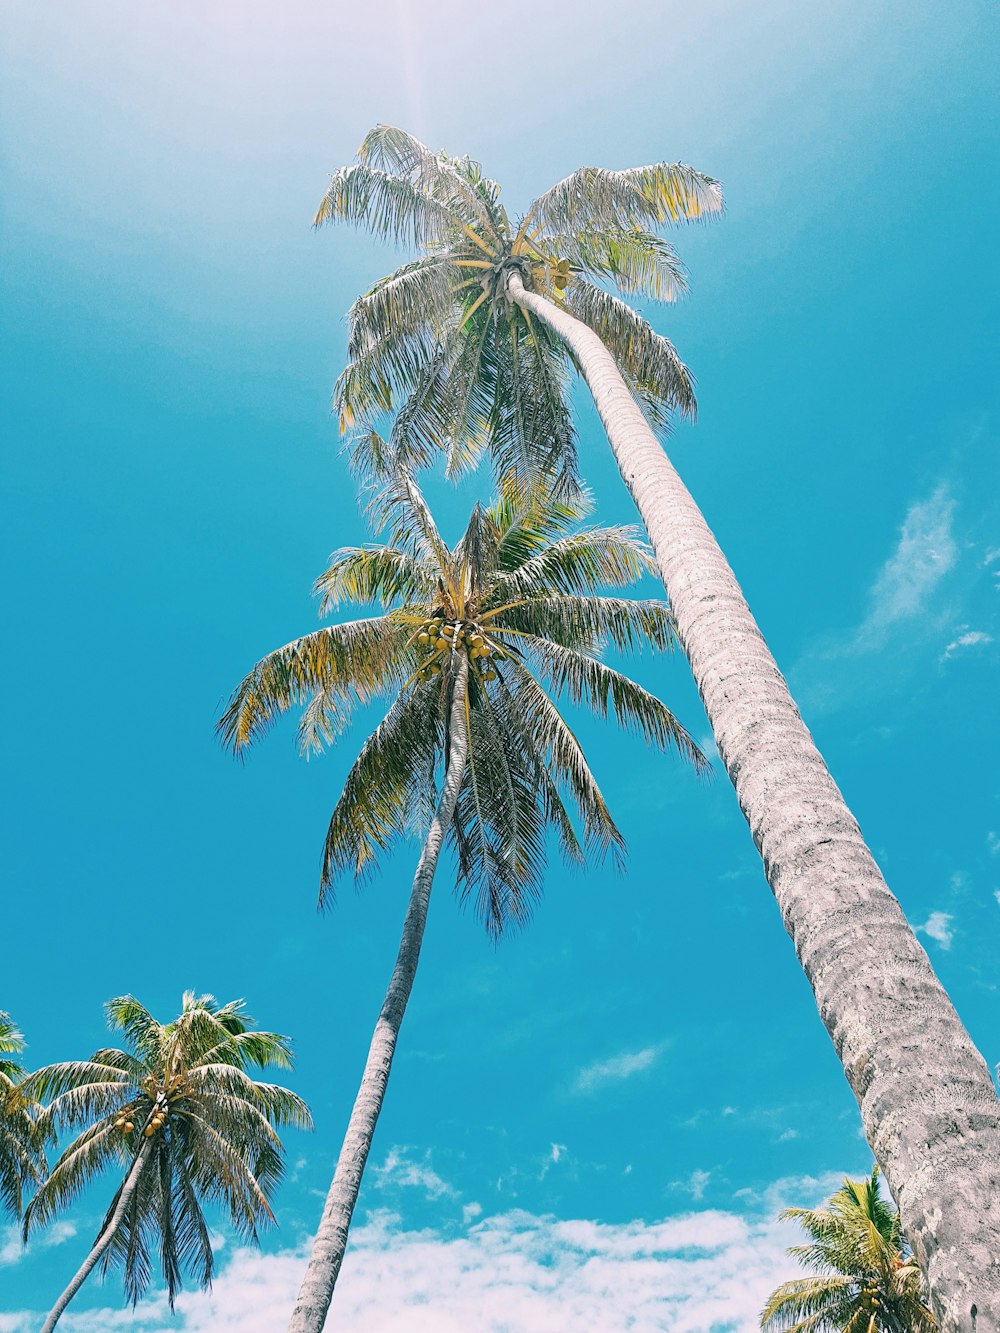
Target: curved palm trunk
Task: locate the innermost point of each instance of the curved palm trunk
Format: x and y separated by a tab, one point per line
316	1291
103	1240
927	1103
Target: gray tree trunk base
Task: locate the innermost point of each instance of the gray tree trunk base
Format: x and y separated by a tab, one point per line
928	1106
316	1292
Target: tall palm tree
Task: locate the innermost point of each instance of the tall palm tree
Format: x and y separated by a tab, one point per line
21	1160
179	1115
868	1280
448	348
468	646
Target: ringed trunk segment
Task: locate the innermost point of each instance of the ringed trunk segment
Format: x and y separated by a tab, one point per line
927	1102
316	1291
103	1240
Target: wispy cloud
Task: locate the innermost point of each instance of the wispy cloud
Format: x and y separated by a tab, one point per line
974	638
925	552
618	1068
400	1170
938	927
904	606
11	1248
695	1185
516	1270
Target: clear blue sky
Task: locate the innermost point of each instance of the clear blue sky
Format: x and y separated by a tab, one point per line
648	1050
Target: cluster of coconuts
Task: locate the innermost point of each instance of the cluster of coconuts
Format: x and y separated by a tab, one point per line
440	636
127	1126
560	274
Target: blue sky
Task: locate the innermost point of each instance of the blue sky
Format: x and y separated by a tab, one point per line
617	1101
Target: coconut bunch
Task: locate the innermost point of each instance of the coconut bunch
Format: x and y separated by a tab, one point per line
441	638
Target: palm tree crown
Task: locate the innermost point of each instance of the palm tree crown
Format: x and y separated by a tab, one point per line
20	1156
869	1282
515	600
178	1113
476	371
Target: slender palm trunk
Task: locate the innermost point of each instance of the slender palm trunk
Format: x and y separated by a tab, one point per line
316	1291
927	1103
104	1239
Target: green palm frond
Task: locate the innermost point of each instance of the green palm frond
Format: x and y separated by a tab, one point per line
390	205
22	1159
178	1116
592	198
637	262
868	1281
649	363
343	664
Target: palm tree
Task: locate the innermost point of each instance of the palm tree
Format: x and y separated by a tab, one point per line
869	1281
449	348
21	1160
469	644
180	1117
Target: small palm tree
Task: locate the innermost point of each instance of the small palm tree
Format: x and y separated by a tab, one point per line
473	342
869	1281
21	1160
469	643
178	1114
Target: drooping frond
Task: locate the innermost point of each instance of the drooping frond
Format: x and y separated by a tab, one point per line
391	206
637	262
458	183
581	563
587	680
390	787
589	623
648	362
22	1161
342	664
381	574
594	197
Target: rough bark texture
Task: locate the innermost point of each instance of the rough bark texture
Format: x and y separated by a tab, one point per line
309	1315
927	1102
103	1240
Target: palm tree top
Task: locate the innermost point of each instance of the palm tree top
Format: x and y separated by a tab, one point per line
177	1102
869	1281
440	331
517	600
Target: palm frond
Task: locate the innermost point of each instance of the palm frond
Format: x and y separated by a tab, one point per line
389	205
343	664
594	197
648	362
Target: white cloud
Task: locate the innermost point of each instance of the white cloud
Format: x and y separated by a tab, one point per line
514	1271
993	843
971	639
938	927
695	1185
471	1211
926	551
400	1170
11	1249
619	1067
788	1135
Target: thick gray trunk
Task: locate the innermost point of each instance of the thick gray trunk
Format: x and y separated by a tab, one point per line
927	1103
103	1240
309	1315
